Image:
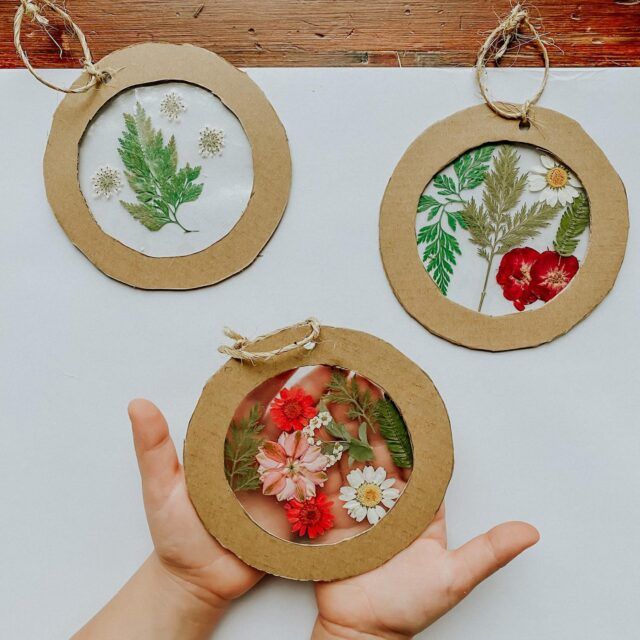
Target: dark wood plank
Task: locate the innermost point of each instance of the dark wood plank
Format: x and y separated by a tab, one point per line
333	32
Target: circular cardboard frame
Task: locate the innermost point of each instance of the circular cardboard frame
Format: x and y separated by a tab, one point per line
152	63
423	411
439	146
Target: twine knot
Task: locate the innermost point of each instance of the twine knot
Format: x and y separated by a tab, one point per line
501	39
240	348
101	76
33	11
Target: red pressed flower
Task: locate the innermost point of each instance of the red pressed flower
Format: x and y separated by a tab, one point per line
514	276
312	517
292	409
551	274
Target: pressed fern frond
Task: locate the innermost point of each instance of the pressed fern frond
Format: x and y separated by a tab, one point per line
441	246
360	404
526	223
572	225
494	229
240	450
152	172
394	431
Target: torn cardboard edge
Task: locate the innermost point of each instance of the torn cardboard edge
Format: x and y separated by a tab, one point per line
153	63
439	146
425	416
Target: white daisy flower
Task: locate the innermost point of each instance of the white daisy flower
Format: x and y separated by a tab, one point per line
368	493
324	417
211	142
172	106
554	182
106	182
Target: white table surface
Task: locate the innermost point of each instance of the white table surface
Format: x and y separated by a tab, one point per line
549	435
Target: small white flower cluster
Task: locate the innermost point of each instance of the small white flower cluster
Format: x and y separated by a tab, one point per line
210	142
322	420
106	182
172	106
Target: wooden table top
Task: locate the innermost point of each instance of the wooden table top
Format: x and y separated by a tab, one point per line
315	33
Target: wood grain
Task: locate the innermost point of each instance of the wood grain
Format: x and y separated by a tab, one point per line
332	32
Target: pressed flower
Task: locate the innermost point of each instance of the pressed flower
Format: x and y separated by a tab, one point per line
514	276
553	181
106	182
293	409
368	493
210	142
551	274
311	517
172	106
291	467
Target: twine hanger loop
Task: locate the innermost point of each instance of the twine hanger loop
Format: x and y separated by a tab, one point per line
240	350
500	39
32	9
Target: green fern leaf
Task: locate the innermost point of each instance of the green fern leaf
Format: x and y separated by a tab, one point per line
152	172
525	224
240	449
572	225
395	432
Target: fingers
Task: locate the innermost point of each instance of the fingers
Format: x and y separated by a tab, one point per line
156	453
262	395
437	529
479	558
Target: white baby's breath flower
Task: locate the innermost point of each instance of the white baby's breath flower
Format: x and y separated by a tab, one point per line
553	182
210	142
324	417
172	106
368	493
106	182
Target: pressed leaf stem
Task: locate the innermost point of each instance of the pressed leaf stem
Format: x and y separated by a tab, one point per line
486	279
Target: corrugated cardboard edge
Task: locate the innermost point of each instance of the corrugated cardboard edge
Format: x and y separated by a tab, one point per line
440	145
157	62
425	416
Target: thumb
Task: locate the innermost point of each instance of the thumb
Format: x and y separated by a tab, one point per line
481	557
156	453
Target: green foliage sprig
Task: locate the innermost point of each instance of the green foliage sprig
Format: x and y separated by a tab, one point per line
492	226
240	450
152	172
358	448
441	246
361	404
573	223
395	432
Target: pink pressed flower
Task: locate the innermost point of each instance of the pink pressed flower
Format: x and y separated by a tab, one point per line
291	467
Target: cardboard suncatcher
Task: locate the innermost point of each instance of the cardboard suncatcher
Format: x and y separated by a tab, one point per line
416	399
145	65
549	132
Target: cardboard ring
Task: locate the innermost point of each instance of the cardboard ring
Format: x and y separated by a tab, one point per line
147	64
424	413
440	145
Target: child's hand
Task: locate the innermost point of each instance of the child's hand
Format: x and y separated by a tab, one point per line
184	587
184	548
415	588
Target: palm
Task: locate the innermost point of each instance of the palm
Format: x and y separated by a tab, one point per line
426	580
268	513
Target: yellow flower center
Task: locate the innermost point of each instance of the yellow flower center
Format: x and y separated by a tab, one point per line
557	177
369	494
556	279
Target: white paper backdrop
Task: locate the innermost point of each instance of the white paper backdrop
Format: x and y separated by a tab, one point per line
548	435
